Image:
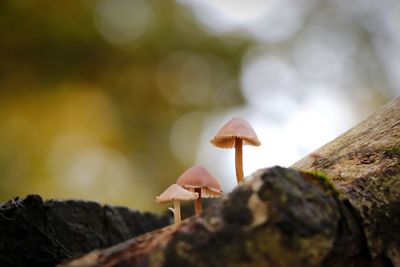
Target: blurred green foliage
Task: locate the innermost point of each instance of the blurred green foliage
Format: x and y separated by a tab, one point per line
61	81
90	90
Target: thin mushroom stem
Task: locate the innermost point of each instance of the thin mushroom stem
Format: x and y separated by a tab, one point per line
239	160
177	211
198	207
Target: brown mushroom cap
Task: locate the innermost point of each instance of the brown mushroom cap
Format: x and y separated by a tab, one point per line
199	177
176	192
233	129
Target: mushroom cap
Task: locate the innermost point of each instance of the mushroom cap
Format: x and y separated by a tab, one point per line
236	128
199	177
176	192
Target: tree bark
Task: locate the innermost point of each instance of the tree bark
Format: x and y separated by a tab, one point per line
339	206
34	232
364	165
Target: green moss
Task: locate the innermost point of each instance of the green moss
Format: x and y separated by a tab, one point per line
392	152
323	179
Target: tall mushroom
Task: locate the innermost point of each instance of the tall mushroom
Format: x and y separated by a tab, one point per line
176	194
236	133
199	180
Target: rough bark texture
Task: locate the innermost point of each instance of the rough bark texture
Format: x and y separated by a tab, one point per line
279	217
364	165
38	233
348	216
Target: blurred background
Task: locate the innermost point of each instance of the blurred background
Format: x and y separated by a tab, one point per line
111	100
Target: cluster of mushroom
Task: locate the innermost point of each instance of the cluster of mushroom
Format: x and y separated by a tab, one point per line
197	182
194	184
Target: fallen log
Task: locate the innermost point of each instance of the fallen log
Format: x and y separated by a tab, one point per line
34	232
364	165
339	206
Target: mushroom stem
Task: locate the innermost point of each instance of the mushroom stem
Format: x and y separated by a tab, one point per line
198	208
177	211
239	160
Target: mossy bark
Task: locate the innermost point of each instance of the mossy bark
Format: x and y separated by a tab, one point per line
279	217
364	165
337	207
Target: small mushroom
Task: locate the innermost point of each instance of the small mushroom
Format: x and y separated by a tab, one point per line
199	180
236	133
176	194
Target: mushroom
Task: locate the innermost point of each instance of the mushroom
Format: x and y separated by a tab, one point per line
199	180
176	194
236	133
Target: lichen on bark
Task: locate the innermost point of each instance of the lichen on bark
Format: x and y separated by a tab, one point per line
364	164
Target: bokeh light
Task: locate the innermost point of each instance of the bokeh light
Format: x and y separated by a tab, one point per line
111	100
123	21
